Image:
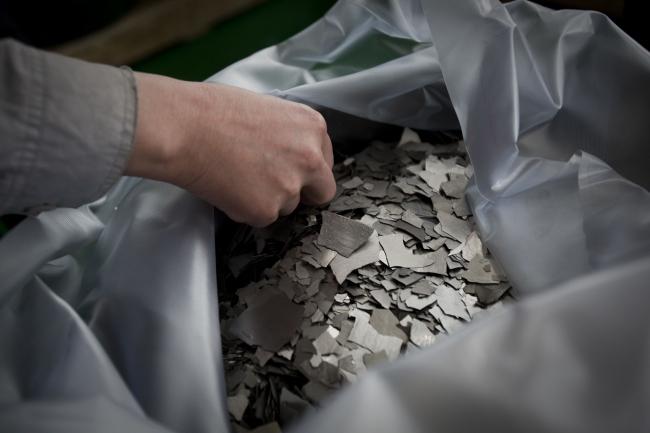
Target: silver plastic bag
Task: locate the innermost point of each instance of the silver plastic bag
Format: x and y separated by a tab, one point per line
108	313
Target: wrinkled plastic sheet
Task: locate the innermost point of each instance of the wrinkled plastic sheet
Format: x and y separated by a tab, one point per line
108	313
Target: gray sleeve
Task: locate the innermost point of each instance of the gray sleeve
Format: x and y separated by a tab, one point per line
66	128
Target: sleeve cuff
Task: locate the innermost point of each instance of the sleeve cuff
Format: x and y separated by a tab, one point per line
78	133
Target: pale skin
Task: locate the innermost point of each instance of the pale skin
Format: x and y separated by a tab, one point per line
255	157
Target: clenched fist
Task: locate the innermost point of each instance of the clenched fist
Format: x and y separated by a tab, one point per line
253	156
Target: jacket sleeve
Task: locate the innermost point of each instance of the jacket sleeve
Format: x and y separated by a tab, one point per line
66	128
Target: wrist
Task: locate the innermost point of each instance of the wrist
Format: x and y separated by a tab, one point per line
163	127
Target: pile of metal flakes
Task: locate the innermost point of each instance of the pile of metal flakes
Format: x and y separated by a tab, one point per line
392	265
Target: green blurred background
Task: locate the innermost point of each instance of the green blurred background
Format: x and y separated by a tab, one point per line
236	38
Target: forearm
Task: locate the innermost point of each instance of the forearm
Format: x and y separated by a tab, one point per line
69	129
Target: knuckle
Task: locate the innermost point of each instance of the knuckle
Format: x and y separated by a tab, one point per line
319	122
315	119
290	187
311	157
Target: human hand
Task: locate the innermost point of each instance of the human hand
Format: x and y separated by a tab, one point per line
252	156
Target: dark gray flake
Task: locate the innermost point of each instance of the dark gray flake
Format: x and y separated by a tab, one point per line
481	270
270	323
381	297
398	255
455	187
367	254
385	322
343	235
455	227
451	303
421	336
488	294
